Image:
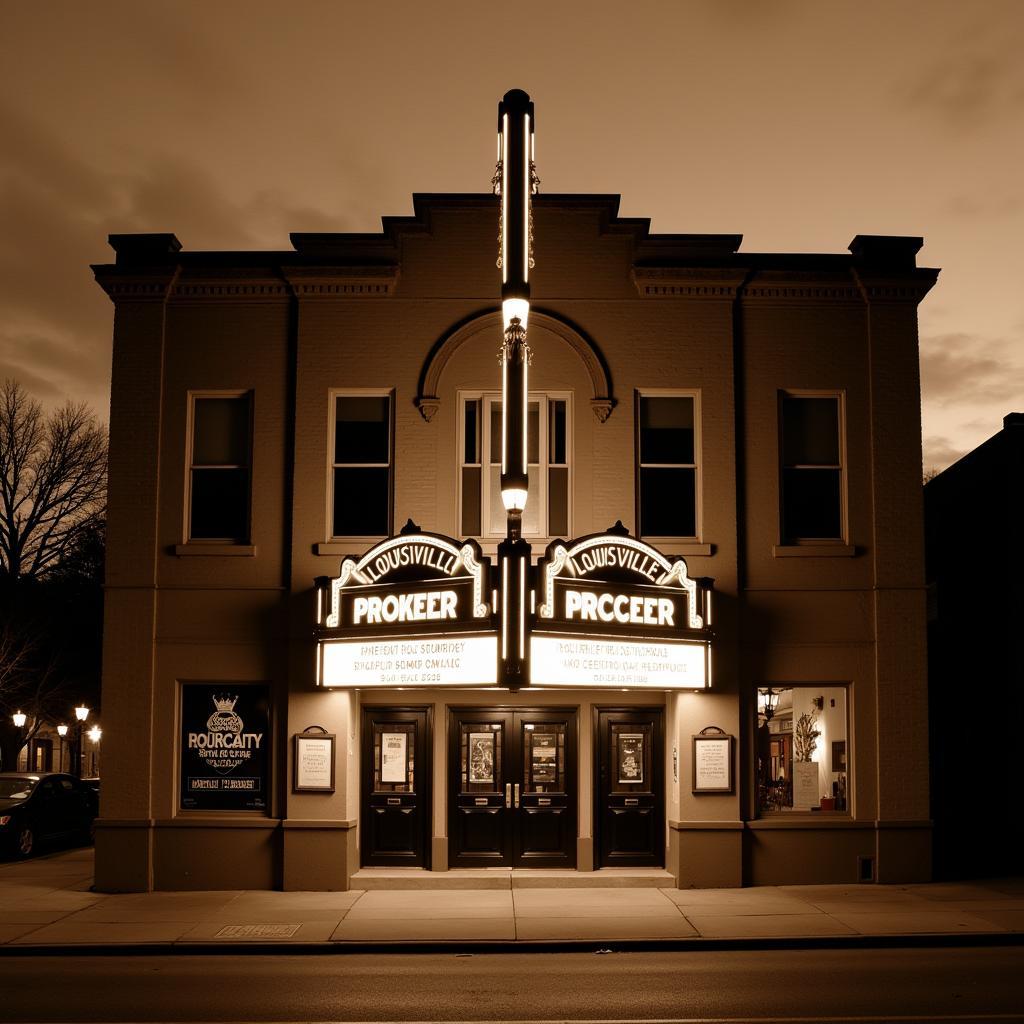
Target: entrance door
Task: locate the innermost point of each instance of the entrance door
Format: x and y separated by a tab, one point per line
395	827
629	789
512	791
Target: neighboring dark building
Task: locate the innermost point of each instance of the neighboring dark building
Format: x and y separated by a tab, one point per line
975	656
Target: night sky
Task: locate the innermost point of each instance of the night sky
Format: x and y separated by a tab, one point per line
796	124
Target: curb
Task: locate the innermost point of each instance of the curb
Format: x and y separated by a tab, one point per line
457	947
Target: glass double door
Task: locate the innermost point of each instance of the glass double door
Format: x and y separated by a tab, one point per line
512	788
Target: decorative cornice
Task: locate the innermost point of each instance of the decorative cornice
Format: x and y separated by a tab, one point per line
342	282
428	402
687	283
136	286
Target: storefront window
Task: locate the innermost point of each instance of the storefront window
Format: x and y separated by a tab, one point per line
802	756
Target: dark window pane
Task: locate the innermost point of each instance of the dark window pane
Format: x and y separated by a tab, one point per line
220	432
471	501
361	502
558	433
668	503
496	433
220	504
811	504
472	431
666	430
558	502
362	428
810	431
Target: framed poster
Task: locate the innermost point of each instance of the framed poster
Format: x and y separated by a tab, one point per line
631	758
314	763
712	763
224	751
481	757
543	757
393	763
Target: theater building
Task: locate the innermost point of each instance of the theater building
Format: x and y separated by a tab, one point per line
724	623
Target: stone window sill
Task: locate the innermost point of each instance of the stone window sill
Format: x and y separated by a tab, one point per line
198	549
350	546
813	551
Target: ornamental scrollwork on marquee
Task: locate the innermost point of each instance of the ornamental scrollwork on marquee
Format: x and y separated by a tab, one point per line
353	571
674	572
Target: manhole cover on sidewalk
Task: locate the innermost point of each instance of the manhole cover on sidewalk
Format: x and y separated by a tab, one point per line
257	931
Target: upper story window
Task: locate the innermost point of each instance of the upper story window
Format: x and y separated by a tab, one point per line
548	446
361	464
812	484
668	464
220	467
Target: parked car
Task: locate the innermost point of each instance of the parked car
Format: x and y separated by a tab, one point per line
42	807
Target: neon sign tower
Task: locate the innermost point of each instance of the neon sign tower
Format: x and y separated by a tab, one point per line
515	181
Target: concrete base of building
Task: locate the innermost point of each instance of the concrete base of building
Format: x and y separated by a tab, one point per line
124	855
318	855
322	855
706	854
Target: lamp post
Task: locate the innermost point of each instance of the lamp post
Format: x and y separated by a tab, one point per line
81	713
94	734
515	183
62	731
19	718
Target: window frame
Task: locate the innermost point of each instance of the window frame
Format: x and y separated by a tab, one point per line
487	396
332	396
839	394
660	540
194	395
783	813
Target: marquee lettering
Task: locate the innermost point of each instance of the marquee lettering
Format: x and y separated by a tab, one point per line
610	556
431	605
628	609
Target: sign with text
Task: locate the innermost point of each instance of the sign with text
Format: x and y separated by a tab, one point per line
437	661
411	611
225	745
590	661
614	611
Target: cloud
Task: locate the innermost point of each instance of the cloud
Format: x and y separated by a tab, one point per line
980	76
940	452
957	369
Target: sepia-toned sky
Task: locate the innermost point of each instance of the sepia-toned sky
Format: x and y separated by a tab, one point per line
798	124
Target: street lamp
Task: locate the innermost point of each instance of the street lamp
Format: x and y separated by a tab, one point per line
62	731
19	718
81	713
94	734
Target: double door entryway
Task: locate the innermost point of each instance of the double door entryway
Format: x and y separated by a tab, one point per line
513	786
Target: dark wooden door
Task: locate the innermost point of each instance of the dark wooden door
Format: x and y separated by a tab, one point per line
512	791
395	827
629	813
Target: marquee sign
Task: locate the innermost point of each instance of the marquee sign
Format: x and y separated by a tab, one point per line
614	611
412	611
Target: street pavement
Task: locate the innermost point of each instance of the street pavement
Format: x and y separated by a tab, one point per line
47	905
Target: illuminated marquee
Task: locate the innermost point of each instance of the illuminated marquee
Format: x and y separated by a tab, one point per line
615	611
411	611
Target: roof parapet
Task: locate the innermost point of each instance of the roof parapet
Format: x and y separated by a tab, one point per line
888	252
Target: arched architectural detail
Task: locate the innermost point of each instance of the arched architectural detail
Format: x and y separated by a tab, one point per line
428	401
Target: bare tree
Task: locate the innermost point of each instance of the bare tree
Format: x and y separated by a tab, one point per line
53	481
53	488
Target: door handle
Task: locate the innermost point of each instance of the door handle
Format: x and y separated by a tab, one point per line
517	794
508	794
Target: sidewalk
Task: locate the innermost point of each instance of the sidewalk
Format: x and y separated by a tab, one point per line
46	905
